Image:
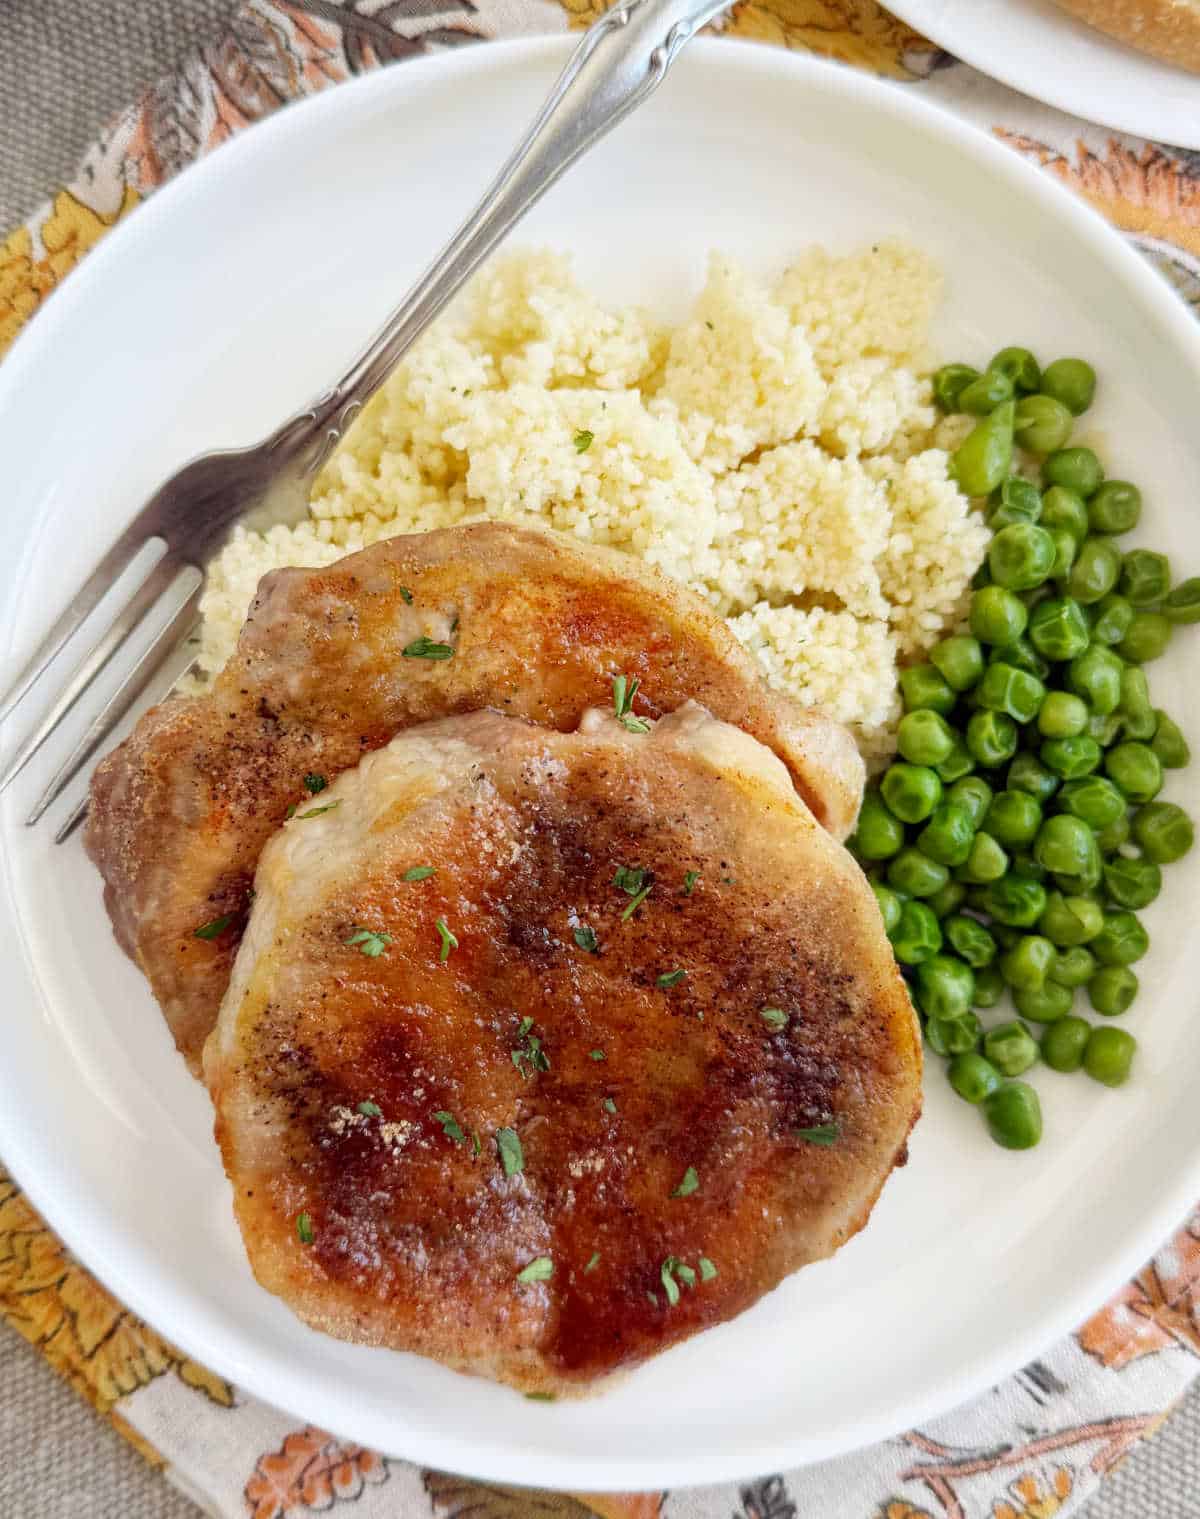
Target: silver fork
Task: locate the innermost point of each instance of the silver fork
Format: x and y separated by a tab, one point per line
620	61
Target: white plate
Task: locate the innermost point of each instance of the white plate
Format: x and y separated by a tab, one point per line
1038	48
229	299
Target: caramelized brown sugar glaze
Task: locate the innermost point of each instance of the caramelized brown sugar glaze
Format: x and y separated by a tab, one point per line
539	626
417	1238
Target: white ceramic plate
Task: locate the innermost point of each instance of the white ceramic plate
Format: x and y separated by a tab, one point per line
229	299
1038	48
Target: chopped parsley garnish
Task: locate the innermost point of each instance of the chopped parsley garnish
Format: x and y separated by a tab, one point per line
529	1052
315	812
449	942
450	1126
597	1055
585	937
304	1229
419	873
630	879
542	1397
688	1185
425	648
670	1285
819	1134
406	595
670	978
593	1263
214	927
773	1017
512	1157
540	1269
689	882
315	783
370	1110
707	1269
476	1147
291	812
371	944
653	1299
685	1273
609	1105
583	441
624	690
634	724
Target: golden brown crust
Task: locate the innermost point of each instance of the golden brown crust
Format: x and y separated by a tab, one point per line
180	812
1169	29
417	1239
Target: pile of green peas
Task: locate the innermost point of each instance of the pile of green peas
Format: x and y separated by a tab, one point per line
1018	833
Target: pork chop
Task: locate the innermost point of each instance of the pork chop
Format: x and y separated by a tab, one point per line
332	663
545	1051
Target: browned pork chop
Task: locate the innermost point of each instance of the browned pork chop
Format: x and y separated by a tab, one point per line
333	663
484	1097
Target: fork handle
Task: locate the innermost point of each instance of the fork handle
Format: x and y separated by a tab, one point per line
620	61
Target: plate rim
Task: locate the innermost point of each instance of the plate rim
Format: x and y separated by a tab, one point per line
58	1193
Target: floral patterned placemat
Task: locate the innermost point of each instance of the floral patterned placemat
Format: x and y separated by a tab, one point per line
1033	1448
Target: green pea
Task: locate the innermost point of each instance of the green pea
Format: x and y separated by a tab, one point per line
981	396
1145	577
1062	715
974	794
1113	615
1148	636
1105	730
1070	757
959	659
1076	468
1139	726
924	738
948	834
1135	699
1013	818
1114	834
1021	556
984	458
1071	381
1183	603
1041	424
1096	676
1058	628
1010	1047
997	615
1014	1116
923	687
989	986
949	382
1095	571
1093	799
1121	941
1004	688
972	1077
1164	832
1014	901
948	900
1021	655
1073	967
1043	1004
1021	368
1108	1056
1068	921
991	738
1024	864
1080	883
969	940
1067	845
1064	1042
952	1036
1028	962
911	793
1169	743
1065	509
946	987
1135	770
1115	508
915	874
1017	500
917	936
1112	990
879	834
889	906
1066	547
1027	773
958	763
987	861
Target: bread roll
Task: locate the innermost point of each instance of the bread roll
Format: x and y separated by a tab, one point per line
1170	29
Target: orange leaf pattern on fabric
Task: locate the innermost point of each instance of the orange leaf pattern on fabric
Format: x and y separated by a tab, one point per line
1035	1499
460	1498
1160	1308
310	1472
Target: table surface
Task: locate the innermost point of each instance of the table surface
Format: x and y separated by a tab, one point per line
65	67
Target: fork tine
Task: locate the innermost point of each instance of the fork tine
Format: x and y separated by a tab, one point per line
119	558
72	821
184	591
92	663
